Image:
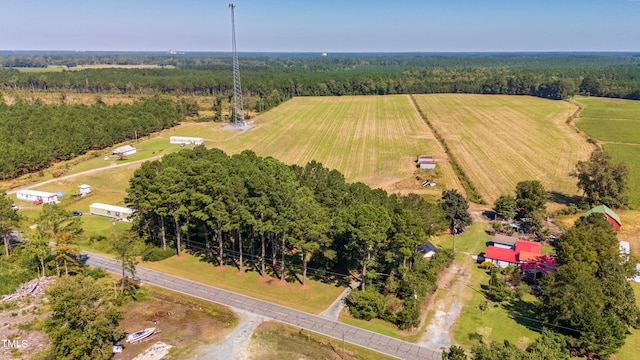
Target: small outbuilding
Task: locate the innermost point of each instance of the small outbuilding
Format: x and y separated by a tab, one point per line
84	190
427	250
505	241
111	211
186	140
35	196
124	150
425	162
609	214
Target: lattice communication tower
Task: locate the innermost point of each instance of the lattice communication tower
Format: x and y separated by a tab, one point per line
238	107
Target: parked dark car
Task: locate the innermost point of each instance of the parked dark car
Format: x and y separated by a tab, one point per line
76	213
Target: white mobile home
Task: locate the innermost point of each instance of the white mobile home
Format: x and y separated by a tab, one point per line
37	196
186	140
111	211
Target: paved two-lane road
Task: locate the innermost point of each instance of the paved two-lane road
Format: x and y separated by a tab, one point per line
384	344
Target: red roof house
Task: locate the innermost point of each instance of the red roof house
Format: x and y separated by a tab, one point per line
529	246
526	254
500	256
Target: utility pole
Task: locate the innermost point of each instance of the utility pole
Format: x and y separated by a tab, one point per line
237	115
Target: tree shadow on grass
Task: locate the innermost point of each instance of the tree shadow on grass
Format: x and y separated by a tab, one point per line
564	199
524	313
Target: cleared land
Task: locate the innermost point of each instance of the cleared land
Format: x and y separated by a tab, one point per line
191	323
502	140
373	139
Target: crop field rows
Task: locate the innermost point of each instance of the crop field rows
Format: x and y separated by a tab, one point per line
370	139
498	140
501	140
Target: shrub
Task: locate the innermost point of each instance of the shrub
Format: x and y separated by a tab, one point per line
153	253
487	265
409	317
366	304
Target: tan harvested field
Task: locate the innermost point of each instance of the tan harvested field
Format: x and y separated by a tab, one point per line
498	140
501	140
373	139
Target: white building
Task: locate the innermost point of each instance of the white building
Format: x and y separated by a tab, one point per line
124	150
111	211
186	140
37	196
84	190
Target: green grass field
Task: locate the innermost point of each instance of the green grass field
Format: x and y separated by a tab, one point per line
629	154
502	140
616	124
632	344
607	108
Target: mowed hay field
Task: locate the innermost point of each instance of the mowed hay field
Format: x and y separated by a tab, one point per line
372	139
501	140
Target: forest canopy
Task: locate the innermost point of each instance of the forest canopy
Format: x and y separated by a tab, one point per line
273	77
35	135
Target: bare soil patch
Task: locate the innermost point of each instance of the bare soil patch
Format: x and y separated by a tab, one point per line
188	324
21	320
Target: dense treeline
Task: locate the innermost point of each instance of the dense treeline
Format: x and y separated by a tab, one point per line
276	77
34	135
288	221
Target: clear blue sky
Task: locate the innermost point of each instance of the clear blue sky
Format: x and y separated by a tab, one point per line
322	25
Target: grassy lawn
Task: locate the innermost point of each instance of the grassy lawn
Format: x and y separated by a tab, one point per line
497	322
610	120
386	328
273	340
313	297
502	140
473	240
632	344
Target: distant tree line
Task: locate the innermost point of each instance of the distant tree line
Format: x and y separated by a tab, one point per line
35	135
273	78
291	222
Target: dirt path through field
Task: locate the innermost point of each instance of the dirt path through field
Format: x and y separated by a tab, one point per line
235	345
454	283
92	171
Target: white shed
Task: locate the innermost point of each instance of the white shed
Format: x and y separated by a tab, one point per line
426	164
111	211
186	140
34	195
84	190
124	150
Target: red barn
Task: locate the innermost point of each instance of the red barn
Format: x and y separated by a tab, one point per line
611	216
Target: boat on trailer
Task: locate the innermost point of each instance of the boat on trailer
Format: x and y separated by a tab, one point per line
140	335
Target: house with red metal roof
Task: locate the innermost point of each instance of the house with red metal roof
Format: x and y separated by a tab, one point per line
525	254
